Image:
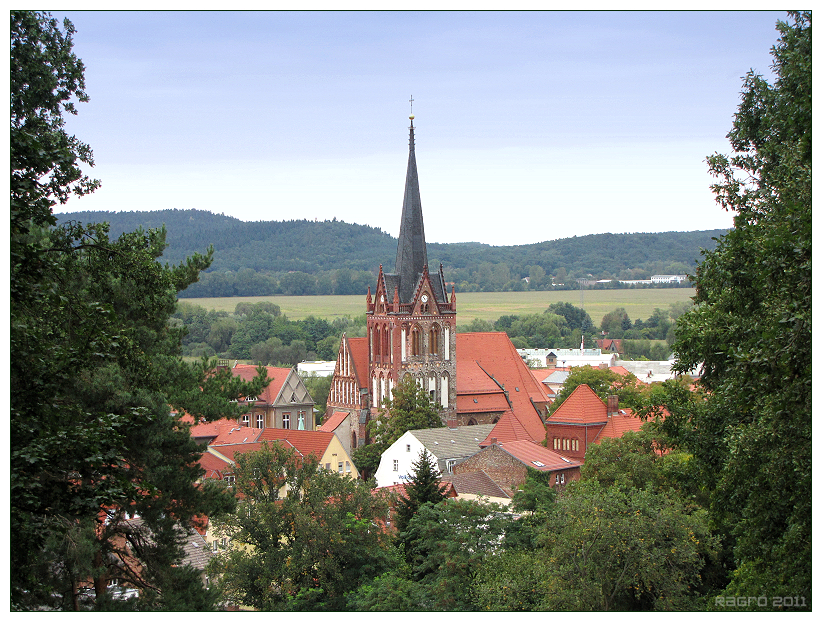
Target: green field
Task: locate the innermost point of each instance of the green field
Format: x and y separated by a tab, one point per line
639	303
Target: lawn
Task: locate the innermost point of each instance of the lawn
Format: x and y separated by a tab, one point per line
639	303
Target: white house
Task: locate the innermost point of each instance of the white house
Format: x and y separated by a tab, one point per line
571	357
446	446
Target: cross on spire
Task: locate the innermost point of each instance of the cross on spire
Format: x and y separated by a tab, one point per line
412	104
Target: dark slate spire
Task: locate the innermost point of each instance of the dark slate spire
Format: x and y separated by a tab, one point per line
411	253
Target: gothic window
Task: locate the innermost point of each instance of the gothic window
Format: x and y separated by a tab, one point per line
434	339
416	341
385	349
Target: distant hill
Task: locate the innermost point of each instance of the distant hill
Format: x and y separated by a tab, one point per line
325	247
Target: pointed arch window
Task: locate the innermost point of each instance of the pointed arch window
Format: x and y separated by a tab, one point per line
416	341
434	339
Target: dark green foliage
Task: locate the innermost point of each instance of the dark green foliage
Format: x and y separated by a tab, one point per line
603	382
96	371
423	487
409	409
446	545
302	536
334	257
751	328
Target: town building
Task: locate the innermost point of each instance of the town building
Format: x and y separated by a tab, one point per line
285	403
507	464
445	446
475	378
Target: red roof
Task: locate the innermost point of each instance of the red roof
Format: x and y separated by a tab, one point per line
540	374
334	421
305	441
213	429
508	429
496	356
278	377
212	465
624	421
582	406
358	349
236	434
538	457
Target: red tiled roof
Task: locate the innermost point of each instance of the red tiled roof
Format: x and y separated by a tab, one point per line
305	441
479	402
236	434
214	428
212	465
498	358
541	374
358	349
617	425
507	429
278	377
582	406
334	421
538	457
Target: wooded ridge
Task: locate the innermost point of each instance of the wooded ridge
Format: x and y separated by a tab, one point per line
318	247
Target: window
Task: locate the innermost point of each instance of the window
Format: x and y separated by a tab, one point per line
416	341
562	478
301	420
286	421
260	418
557	479
327	466
408	448
449	465
229	479
434	339
347	466
556	442
245	420
340	467
396	465
214	545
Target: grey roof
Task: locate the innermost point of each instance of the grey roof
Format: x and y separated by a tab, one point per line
448	443
196	552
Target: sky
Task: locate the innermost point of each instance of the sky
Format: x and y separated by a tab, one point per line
530	126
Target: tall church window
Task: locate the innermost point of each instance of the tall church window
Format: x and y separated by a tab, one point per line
434	339
416	341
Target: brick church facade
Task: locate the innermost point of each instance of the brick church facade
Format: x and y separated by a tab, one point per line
411	321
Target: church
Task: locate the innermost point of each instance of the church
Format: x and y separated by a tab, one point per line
411	322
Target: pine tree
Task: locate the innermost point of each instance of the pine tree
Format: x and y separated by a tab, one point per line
424	487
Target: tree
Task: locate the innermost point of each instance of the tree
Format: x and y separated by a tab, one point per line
751	327
603	382
616	323
97	384
623	549
301	536
410	409
423	487
447	544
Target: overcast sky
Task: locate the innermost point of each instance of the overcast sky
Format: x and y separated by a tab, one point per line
530	126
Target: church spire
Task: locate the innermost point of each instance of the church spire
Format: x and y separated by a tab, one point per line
411	253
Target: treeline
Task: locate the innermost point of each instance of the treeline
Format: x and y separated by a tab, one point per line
260	333
301	257
562	325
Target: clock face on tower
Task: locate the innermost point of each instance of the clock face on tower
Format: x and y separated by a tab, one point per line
424	297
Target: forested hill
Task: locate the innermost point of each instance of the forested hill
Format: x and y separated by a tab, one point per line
323	248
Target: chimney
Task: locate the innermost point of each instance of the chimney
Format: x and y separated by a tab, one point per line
494	440
613	405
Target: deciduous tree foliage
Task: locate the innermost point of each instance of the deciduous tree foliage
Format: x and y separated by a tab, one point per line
301	536
410	409
751	329
96	370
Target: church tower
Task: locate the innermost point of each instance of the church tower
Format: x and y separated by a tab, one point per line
411	320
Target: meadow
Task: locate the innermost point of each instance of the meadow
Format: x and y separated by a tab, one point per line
639	303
